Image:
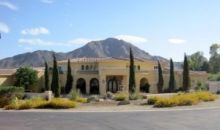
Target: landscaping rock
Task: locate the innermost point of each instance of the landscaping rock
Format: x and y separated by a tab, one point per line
93	98
110	95
101	100
126	102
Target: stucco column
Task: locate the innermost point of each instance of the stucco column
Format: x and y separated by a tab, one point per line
153	87
126	83
137	81
87	86
102	85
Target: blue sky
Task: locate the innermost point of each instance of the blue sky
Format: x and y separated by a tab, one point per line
161	27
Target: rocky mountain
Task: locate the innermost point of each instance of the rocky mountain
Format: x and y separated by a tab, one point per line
105	48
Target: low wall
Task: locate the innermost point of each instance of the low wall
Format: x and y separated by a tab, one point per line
214	86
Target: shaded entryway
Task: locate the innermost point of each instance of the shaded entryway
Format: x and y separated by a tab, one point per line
81	85
94	86
144	85
112	85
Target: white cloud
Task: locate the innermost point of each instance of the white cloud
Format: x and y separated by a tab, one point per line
176	41
131	38
47	1
36	42
8	5
35	31
4	28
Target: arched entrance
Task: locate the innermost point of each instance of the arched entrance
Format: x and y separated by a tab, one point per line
144	85
94	86
81	85
112	85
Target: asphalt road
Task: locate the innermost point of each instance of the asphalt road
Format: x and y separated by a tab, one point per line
152	120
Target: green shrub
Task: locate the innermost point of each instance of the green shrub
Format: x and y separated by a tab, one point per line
8	93
26	77
121	96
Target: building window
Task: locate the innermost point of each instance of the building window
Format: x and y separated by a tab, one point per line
91	67
82	67
155	67
87	67
139	68
60	70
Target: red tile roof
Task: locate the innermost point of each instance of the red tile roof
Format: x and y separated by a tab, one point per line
7	71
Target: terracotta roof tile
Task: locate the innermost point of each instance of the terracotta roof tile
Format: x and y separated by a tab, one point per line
7	71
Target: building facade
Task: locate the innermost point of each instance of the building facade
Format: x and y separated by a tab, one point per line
100	75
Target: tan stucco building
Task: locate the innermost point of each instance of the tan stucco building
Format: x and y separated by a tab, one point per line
99	75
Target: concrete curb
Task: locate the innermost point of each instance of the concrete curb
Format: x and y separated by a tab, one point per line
115	111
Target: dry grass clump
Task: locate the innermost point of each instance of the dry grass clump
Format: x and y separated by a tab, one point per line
183	99
59	103
39	103
121	96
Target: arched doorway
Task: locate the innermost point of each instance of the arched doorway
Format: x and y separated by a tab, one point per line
112	85
144	85
94	86
81	85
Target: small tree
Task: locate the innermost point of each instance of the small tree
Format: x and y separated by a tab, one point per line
46	77
132	84
25	76
55	78
186	78
160	79
69	78
172	77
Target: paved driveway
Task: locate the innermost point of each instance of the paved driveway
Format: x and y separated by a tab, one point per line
152	120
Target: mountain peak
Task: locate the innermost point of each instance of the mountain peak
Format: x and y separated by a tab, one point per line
109	47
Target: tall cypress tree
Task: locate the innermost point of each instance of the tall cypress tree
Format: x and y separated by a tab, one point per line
186	78
69	78
46	77
55	78
172	77
132	84
160	79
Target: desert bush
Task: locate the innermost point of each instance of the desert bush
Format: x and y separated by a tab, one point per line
74	94
166	102
152	100
81	100
135	96
205	96
121	96
185	99
26	104
39	103
8	93
59	103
